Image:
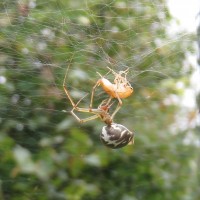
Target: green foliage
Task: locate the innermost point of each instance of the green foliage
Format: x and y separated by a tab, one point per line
44	152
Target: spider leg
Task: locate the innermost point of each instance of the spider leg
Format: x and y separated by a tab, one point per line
83	120
118	106
75	107
113	72
109	100
92	94
65	88
116	110
96	113
94	88
106	102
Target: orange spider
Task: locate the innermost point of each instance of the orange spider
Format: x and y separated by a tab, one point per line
120	89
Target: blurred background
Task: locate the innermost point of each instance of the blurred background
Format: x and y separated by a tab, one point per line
45	154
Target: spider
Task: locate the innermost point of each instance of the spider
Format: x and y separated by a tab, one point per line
113	135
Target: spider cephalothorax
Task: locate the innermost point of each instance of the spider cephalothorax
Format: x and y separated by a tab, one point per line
116	136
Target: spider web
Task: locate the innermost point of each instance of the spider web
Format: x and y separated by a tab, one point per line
39	41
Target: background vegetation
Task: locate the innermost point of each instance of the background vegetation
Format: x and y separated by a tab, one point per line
44	152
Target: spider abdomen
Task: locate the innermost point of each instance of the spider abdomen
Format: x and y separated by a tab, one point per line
116	136
116	90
